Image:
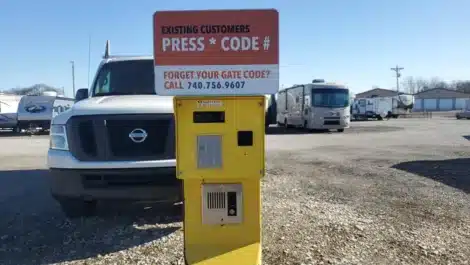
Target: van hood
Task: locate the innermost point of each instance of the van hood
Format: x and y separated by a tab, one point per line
129	104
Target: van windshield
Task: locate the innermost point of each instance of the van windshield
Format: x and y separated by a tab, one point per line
330	98
133	77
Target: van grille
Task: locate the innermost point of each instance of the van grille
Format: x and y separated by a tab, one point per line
122	146
331	122
106	137
86	131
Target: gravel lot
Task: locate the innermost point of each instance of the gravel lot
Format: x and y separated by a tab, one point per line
390	192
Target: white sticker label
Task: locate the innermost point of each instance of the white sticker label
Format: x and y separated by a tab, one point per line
209	103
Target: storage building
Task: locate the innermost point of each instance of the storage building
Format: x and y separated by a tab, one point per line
377	92
440	99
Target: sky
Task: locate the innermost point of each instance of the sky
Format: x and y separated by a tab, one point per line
350	42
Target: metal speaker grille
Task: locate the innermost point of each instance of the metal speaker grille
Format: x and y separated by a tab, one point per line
216	200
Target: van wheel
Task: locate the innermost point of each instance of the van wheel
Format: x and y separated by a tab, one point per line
340	130
76	208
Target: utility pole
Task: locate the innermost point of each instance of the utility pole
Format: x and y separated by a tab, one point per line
89	58
73	77
397	70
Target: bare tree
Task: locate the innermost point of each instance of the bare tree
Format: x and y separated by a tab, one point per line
436	82
417	84
37	89
421	85
409	85
462	86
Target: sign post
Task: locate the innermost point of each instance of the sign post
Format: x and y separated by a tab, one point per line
219	65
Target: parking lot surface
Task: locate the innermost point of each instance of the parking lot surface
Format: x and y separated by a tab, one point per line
382	192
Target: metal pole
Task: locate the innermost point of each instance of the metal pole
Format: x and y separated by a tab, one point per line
397	70
73	77
398	84
89	58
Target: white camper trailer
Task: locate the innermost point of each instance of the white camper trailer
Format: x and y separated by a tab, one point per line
270	116
61	104
9	111
36	112
317	105
382	107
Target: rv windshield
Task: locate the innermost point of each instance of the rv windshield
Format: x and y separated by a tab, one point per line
132	77
330	98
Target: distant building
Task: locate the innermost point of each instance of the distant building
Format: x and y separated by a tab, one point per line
440	99
378	92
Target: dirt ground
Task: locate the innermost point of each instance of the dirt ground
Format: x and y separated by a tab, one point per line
382	192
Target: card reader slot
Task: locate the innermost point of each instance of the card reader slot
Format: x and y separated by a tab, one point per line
209	116
245	138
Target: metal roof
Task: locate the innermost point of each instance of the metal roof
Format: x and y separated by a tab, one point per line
441	93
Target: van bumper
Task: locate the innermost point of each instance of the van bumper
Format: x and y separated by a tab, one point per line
132	184
332	125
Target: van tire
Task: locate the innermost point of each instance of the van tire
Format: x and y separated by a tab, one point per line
76	208
341	130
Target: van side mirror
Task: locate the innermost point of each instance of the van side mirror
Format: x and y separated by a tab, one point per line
82	93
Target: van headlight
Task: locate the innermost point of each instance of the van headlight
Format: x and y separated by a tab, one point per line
58	138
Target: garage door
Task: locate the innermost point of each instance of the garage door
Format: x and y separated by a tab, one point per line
445	104
430	104
460	103
418	105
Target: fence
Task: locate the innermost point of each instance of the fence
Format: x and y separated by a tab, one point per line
418	114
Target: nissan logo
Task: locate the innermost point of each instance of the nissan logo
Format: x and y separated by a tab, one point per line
138	135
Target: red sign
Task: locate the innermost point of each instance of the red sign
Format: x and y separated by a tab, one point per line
216	52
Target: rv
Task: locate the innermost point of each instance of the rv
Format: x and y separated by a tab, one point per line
382	107
9	111
316	106
36	112
61	104
270	116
